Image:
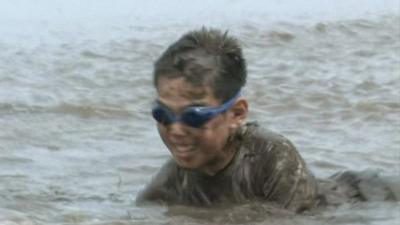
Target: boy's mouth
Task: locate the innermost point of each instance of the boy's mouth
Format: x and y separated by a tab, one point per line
184	151
181	149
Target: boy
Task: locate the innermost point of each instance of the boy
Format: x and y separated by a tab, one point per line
216	156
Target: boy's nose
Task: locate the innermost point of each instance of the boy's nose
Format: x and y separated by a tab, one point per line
177	129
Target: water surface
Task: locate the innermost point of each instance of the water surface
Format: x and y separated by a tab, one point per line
76	139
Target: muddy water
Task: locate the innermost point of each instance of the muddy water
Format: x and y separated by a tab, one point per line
76	139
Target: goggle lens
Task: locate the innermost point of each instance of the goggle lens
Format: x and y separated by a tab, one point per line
192	116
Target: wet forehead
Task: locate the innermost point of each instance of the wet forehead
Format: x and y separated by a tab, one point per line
179	93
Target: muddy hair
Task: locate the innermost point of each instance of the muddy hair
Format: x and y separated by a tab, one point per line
205	57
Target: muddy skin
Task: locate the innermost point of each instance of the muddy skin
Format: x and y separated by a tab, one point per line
266	167
352	186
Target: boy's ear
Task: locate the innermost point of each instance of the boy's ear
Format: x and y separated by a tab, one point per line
239	113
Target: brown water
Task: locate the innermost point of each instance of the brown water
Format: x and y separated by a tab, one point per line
77	142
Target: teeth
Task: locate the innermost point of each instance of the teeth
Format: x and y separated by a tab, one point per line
184	148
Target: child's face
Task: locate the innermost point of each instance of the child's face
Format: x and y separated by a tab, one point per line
194	148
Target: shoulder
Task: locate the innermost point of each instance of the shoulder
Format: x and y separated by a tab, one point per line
266	154
258	140
280	173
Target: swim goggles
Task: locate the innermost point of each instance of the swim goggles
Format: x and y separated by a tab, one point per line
195	116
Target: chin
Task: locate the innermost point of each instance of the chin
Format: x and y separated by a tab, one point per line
186	164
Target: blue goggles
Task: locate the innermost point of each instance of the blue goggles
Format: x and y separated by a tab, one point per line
195	116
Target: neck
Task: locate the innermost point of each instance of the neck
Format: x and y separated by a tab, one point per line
222	161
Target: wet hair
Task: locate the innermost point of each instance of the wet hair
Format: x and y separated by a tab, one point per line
205	56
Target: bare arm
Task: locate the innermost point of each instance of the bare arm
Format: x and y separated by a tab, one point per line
286	179
160	188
